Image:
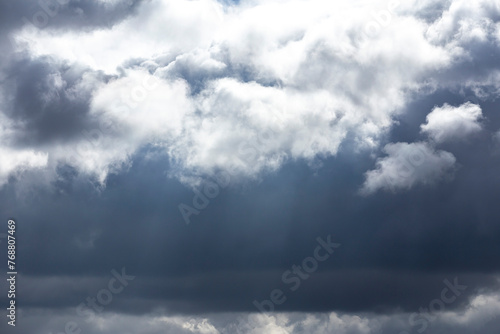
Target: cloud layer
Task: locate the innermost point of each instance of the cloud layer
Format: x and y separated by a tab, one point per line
237	91
275	122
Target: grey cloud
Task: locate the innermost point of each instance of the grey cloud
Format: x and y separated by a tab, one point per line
66	14
50	99
477	317
408	165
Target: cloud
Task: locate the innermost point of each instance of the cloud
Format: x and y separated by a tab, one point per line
123	93
257	94
17	161
480	314
465	21
124	127
448	123
408	165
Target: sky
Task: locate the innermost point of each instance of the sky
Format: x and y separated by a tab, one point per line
244	167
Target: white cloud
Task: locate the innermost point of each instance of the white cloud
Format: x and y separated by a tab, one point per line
408	165
448	123
16	161
135	110
161	27
249	87
465	21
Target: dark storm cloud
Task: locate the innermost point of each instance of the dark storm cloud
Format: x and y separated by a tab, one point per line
396	248
241	291
50	99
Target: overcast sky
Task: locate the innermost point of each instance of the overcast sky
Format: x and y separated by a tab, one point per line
253	166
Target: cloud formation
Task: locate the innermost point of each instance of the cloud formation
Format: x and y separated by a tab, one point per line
407	165
15	161
110	108
449	123
481	315
235	76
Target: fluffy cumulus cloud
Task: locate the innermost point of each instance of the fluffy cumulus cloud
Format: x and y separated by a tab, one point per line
226	87
448	123
407	165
